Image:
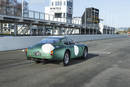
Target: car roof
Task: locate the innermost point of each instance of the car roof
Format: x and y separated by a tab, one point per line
55	37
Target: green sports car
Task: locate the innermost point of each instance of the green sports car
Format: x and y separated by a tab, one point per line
56	48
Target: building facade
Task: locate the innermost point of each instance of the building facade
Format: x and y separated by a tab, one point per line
90	16
104	29
90	19
77	20
13	7
60	10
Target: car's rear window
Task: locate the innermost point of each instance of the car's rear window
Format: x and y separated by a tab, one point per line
51	41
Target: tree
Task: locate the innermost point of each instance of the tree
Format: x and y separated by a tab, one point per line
128	29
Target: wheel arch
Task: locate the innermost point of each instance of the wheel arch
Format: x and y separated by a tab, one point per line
67	50
86	47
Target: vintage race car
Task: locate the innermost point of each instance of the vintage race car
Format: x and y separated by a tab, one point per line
56	48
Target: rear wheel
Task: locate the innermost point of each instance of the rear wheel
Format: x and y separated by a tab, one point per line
44	61
37	61
66	59
85	53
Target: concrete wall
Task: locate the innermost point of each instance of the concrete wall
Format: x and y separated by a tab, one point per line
83	38
13	43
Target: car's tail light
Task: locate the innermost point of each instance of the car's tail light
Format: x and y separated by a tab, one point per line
52	52
26	49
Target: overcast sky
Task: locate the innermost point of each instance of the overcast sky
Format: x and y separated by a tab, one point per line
114	12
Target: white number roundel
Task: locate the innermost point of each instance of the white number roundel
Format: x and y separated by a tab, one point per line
47	48
76	50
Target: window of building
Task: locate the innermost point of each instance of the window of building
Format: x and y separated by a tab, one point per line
58	15
56	3
60	3
52	3
64	15
69	3
58	8
5	24
64	3
69	15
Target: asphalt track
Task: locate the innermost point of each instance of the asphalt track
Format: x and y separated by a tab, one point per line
108	65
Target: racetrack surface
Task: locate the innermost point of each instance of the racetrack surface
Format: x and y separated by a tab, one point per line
108	65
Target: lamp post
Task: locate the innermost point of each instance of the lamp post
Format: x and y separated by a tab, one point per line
85	21
22	8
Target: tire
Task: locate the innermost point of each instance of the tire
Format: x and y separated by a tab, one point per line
37	61
44	61
66	59
85	53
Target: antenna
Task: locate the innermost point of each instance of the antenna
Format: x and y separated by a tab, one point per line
22	8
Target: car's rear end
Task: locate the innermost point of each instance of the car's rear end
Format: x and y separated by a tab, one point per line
42	51
37	52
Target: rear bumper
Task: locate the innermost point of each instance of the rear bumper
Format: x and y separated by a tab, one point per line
32	58
42	58
38	55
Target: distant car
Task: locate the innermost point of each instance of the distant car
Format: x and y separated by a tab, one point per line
56	48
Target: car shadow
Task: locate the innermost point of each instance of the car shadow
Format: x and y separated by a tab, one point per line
81	59
73	61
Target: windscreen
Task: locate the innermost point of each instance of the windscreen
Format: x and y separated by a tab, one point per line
51	40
